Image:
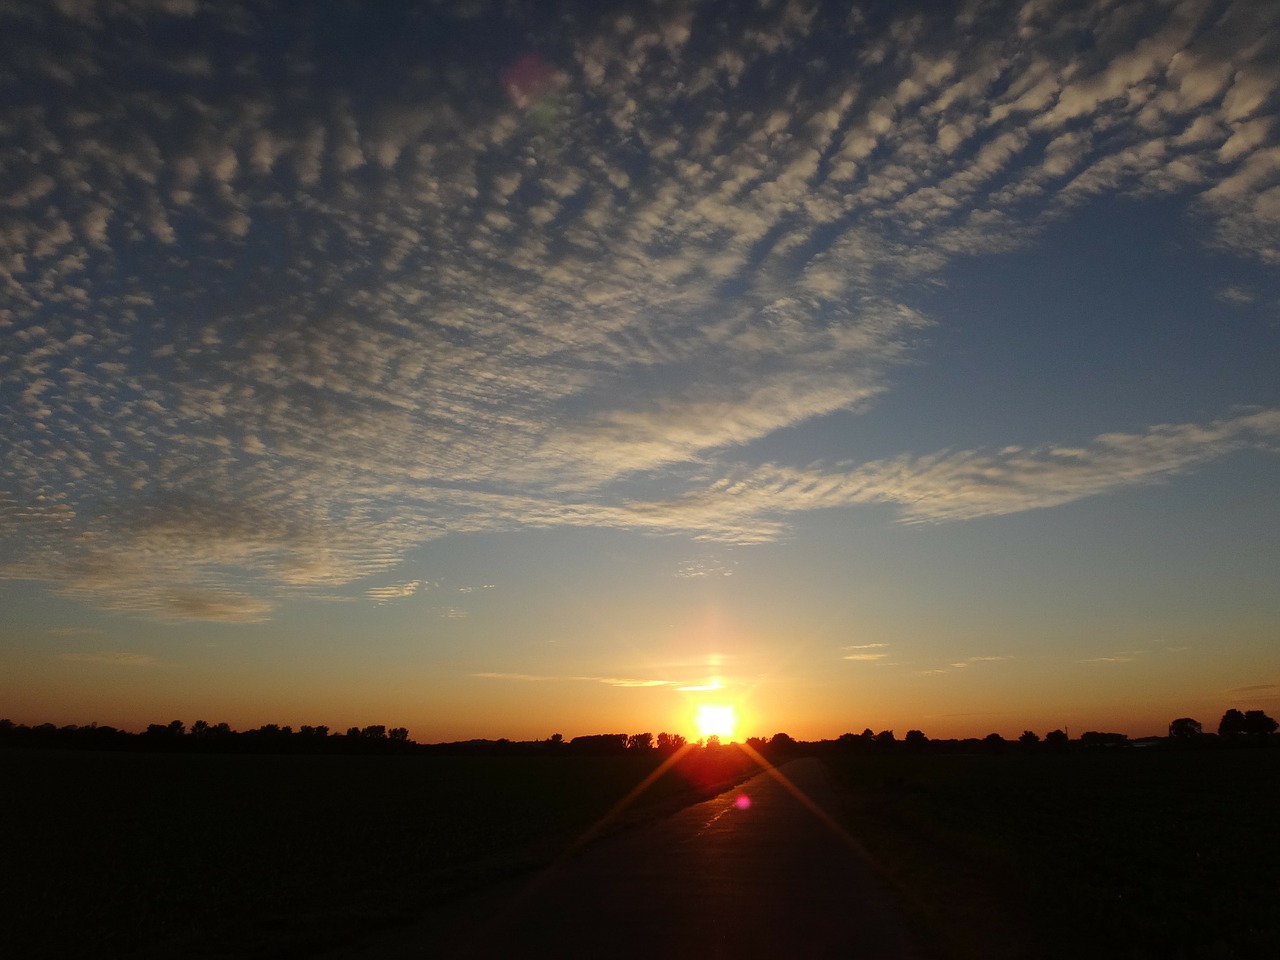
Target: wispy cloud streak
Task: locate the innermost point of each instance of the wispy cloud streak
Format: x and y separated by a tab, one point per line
968	484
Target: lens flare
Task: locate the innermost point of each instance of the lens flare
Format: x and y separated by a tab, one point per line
534	85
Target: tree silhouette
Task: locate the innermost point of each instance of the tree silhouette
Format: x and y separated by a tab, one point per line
640	741
1029	738
1258	723
1184	729
782	743
171	730
600	743
1253	724
670	742
1231	724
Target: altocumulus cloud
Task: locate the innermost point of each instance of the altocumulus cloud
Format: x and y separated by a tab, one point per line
271	318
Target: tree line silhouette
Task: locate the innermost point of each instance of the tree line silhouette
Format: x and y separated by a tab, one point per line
1248	727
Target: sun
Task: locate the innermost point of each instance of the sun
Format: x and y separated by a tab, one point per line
716	720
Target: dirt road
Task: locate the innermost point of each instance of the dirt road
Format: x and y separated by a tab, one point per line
756	872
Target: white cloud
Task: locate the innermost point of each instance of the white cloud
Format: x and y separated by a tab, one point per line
708	687
965	485
396	591
705	567
628	682
269	343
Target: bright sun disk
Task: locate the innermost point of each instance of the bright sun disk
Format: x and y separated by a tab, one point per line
716	721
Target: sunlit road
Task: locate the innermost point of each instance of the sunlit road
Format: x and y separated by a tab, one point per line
722	879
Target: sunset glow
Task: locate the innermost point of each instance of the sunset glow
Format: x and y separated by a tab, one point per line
502	370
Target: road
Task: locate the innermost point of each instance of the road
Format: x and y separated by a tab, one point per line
768	876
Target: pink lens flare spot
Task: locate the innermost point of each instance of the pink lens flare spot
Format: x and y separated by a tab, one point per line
529	79
742	802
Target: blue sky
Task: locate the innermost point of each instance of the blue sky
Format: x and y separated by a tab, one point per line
494	369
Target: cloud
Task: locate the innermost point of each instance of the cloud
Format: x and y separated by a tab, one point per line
627	682
262	343
1239	296
701	687
113	658
965	485
962	664
974	484
396	591
211	605
706	567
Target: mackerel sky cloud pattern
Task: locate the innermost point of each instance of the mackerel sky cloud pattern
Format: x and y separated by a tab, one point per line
286	296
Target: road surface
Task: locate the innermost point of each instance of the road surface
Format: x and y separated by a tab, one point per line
768	876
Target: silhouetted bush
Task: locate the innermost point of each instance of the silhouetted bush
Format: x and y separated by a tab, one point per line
599	744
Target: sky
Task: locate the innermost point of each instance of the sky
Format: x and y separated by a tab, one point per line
499	369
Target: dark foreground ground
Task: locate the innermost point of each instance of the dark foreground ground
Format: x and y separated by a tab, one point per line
209	855
760	871
1160	854
1133	853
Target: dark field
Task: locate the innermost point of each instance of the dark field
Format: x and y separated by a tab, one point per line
1132	853
204	855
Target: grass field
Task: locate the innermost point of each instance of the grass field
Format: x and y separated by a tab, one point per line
203	855
1169	855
